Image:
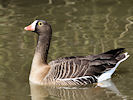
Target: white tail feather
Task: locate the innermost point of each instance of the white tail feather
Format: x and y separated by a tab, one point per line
107	75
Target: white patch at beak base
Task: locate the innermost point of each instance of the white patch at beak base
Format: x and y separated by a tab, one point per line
34	25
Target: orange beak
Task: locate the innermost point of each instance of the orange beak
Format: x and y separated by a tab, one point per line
29	28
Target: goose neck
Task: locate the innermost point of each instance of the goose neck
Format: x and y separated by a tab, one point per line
43	47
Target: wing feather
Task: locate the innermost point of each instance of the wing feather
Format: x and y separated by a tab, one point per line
82	70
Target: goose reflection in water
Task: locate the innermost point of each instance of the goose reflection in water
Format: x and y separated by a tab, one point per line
90	92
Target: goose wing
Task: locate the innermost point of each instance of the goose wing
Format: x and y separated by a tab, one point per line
82	70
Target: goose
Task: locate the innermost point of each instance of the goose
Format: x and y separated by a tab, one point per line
69	71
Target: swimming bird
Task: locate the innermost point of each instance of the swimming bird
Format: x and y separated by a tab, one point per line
69	71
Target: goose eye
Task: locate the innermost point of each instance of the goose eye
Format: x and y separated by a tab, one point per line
40	23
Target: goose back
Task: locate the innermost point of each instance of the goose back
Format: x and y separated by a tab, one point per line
82	70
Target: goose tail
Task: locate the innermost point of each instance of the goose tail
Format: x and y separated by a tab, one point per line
120	57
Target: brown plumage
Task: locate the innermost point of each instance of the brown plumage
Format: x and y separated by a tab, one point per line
76	70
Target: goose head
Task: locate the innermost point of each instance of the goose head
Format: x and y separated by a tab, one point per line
40	27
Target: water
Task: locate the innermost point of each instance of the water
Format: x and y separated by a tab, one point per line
80	27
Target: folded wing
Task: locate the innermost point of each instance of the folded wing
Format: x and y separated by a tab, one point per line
83	70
